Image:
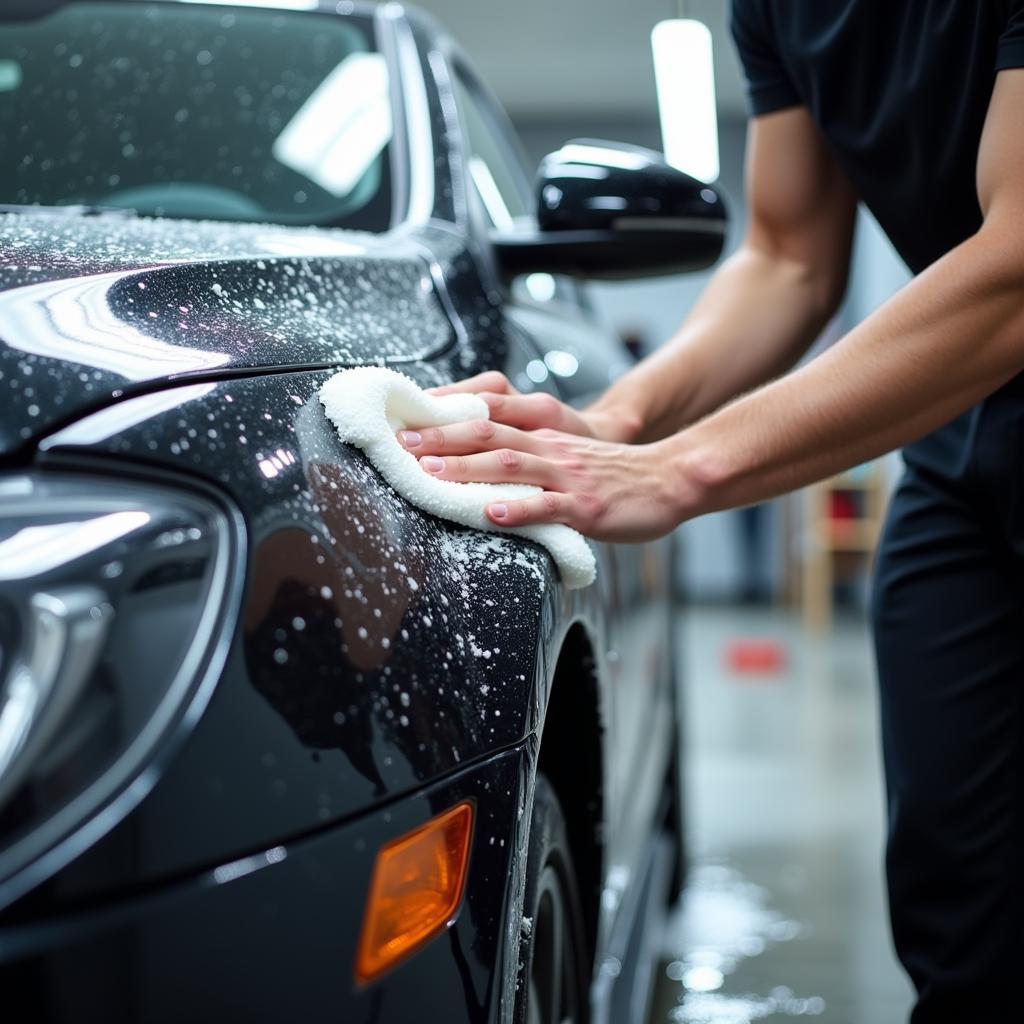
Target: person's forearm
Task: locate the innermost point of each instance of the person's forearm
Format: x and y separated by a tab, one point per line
951	337
757	316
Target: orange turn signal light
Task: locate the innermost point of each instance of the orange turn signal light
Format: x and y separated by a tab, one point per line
416	887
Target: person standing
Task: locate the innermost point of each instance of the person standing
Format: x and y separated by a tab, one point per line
915	109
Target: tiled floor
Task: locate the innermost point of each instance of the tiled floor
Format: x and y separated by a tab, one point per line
785	913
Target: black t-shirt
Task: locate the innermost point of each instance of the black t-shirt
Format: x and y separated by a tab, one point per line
899	89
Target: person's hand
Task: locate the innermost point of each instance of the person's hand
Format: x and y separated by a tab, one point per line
606	490
540	410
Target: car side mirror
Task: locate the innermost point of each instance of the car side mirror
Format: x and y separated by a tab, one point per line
608	210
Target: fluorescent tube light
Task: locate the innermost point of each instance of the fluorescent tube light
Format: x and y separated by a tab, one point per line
684	72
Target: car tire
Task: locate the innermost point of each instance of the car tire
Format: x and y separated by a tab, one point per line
675	822
554	977
675	782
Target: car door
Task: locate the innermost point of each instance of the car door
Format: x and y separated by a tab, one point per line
571	355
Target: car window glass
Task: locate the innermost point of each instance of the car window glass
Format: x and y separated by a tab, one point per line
496	176
504	190
184	110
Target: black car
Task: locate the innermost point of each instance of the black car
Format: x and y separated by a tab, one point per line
274	744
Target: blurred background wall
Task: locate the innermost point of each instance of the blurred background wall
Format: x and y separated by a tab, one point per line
571	68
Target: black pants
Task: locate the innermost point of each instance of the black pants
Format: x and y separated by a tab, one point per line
949	635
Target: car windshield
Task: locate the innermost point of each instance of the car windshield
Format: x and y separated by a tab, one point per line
204	112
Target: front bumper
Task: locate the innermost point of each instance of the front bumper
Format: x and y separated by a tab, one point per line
271	935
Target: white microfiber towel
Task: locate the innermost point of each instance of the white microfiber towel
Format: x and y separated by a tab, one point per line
370	404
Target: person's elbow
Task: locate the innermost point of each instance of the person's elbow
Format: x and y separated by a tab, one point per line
828	288
817	280
998	247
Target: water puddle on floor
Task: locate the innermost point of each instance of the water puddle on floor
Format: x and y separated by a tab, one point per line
725	920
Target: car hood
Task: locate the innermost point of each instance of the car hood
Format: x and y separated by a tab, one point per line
97	308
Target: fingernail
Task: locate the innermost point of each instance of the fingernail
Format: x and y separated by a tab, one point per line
410	438
432	465
499	511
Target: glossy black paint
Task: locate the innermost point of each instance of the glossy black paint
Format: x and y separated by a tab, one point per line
609	210
98	308
374	652
271	936
386	664
591	184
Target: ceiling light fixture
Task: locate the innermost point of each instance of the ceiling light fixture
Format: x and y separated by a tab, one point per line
684	72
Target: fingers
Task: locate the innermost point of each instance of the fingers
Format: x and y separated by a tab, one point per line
529	412
582	511
549	507
502	466
466	438
492	380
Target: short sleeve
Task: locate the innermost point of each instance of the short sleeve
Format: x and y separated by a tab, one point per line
769	87
1011	43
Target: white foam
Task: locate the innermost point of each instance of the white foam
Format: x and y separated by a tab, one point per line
370	404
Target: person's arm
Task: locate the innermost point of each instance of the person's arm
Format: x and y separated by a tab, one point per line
768	302
761	310
952	336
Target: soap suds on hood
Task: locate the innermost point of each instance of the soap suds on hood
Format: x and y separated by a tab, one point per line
369	405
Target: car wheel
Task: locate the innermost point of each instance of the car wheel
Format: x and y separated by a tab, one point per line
675	823
554	976
675	786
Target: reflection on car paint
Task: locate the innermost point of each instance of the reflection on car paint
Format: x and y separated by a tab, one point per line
91	306
398	641
236	869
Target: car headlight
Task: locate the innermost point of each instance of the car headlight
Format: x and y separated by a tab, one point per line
116	603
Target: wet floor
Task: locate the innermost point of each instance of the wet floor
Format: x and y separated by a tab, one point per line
784	917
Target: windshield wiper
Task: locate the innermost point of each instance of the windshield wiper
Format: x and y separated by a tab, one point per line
71	210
